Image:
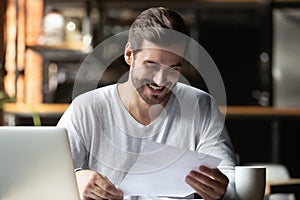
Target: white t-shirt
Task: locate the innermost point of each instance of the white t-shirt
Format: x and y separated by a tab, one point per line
104	136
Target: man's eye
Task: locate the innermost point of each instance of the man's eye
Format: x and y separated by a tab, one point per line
173	71
177	68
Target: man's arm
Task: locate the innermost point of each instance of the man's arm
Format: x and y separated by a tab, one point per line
214	140
91	184
69	120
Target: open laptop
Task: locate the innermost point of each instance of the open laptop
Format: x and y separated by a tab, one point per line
36	164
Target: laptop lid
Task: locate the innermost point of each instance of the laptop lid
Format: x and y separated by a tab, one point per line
35	164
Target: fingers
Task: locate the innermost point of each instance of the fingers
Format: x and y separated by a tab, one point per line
202	189
216	174
92	185
106	189
209	183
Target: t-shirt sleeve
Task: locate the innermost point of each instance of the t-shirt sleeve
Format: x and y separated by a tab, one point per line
70	120
215	140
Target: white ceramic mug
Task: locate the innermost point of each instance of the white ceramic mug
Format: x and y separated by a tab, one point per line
250	182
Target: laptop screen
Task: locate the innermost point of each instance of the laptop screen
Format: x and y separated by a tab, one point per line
35	164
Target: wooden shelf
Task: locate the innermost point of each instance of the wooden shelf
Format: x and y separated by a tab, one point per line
260	112
179	2
230	111
286	1
28	109
291	181
73	46
64	52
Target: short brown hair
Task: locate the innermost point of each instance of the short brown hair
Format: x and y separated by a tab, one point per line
152	25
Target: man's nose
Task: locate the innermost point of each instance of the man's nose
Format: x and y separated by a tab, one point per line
160	78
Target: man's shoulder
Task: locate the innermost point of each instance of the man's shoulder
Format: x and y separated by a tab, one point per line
98	94
191	94
105	90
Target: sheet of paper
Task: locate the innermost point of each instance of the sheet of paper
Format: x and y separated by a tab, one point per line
160	170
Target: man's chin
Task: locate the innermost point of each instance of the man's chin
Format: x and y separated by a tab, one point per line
154	99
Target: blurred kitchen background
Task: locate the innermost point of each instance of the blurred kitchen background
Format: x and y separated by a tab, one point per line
254	43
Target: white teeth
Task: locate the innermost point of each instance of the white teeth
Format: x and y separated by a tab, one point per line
155	87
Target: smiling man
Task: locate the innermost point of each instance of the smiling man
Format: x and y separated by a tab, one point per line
109	126
154	72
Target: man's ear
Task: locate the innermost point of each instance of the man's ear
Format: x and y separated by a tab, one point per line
128	54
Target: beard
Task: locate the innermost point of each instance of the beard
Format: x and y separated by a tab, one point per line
151	96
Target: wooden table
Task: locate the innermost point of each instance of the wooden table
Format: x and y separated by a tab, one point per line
287	186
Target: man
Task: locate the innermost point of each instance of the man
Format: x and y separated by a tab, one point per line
109	126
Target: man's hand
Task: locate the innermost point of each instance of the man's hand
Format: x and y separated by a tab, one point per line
210	184
92	185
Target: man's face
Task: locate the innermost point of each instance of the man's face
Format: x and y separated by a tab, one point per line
154	72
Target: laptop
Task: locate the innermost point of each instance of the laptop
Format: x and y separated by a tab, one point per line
36	164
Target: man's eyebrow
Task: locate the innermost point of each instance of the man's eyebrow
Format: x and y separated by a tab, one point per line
179	64
150	61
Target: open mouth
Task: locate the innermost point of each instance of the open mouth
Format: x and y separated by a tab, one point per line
155	87
158	91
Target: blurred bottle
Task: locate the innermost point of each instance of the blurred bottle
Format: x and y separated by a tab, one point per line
53	28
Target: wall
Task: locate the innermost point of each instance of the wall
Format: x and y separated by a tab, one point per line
286	78
286	67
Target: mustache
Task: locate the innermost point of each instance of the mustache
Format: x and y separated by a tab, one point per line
150	82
